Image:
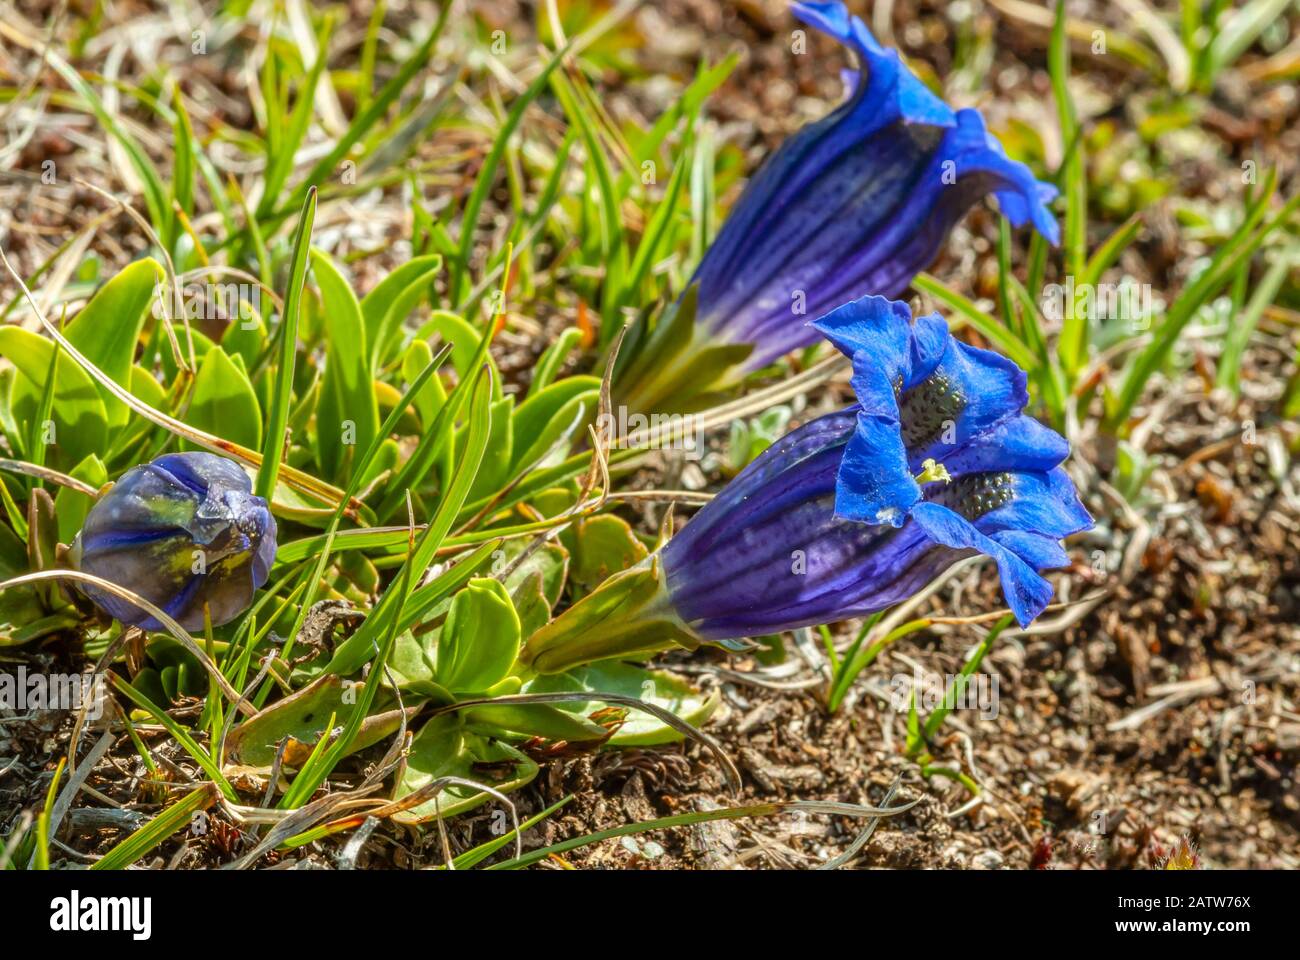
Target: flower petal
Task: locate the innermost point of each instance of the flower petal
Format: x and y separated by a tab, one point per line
1041	553
874	484
1016	443
1043	503
1027	593
968	392
876	334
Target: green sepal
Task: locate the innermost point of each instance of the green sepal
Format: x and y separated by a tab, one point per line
628	617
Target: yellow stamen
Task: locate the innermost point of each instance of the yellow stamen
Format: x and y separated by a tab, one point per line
932	470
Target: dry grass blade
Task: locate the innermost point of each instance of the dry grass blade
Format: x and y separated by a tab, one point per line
77	779
747	406
303	482
861	840
45	473
296	822
168	624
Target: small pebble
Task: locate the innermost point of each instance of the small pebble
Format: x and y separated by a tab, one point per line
987	860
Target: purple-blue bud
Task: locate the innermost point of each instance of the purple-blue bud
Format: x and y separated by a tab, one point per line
186	533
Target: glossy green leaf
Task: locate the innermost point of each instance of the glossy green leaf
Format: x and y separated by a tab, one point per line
385	307
599	547
20	607
278	413
303	717
71	506
495	468
653	686
533	720
80	422
245	335
347	415
545	420
357	649
480	639
224	403
466	343
108	328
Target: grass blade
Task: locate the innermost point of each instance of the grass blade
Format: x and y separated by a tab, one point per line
171	821
277	417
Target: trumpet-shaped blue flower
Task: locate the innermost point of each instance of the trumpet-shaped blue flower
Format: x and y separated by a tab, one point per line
857	203
186	533
857	510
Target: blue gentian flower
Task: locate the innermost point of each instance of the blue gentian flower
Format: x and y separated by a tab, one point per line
184	532
936	462
856	203
855	511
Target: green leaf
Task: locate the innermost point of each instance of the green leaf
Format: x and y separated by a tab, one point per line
445	748
546	419
17	442
71	506
653	686
303	717
536	584
108	327
688	104
224	403
146	388
1073	344
1229	257
553	359
20	607
495	468
180	734
385	307
480	639
1238	336
1242	30
533	720
428	598
374	110
246	335
183	166
648	249
347	400
984	323
283	147
202	344
466	343
613	245
322	551
356	649
599	547
177	817
483	183
430	398
433	445
79	418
